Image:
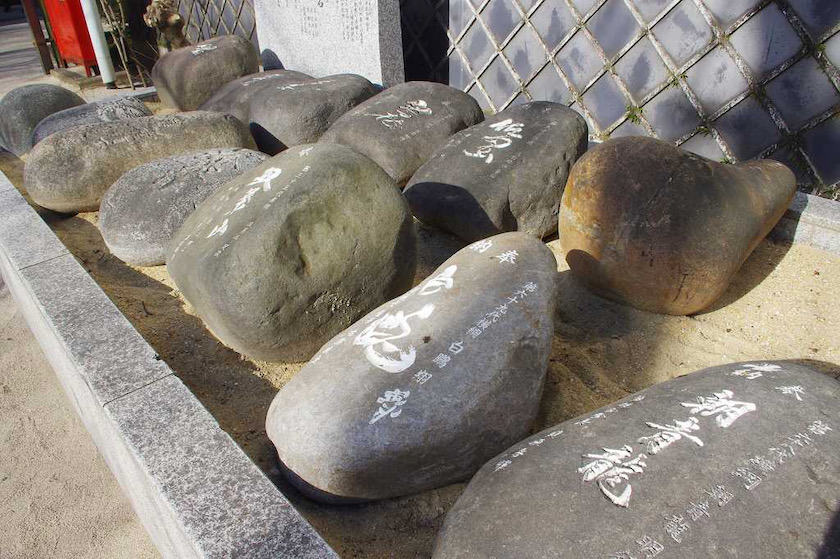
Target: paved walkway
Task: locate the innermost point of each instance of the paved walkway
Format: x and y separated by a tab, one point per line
19	60
59	499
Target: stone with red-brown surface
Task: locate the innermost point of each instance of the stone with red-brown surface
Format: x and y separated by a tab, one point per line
652	226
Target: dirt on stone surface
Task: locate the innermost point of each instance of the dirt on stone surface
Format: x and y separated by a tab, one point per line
783	304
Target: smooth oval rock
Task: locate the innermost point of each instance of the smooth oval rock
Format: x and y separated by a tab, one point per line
90	113
23	108
504	174
141	212
664	230
740	460
401	128
283	112
70	171
422	391
235	97
284	257
187	77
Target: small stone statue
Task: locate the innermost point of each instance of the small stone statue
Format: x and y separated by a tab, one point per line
163	15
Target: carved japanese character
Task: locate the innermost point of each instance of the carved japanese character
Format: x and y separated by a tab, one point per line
481	246
508	256
612	469
441	360
675	526
752	372
444	280
696	511
377	340
750	479
391	404
819	428
669	434
422	376
720	493
797	391
721	405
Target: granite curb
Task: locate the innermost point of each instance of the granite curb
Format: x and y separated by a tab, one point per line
194	490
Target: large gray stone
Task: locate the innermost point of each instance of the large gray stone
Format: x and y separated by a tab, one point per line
234	98
401	128
90	113
422	391
283	112
70	171
187	77
736	461
358	36
284	257
141	212
24	107
664	230
505	174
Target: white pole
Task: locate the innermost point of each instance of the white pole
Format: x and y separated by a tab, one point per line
100	45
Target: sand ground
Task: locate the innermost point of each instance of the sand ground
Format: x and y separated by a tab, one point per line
58	497
783	304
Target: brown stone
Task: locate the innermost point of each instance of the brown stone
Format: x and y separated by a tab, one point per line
652	226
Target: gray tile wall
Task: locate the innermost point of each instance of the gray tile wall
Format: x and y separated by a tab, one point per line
728	79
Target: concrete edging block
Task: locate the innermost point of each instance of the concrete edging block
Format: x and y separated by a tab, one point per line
196	492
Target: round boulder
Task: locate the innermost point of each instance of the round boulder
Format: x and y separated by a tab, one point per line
141	212
23	108
736	461
504	174
71	170
401	128
234	98
90	113
284	257
283	112
425	389
664	230
187	77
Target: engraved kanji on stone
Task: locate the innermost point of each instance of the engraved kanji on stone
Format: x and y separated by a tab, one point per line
508	257
555	433
441	360
484	323
722	406
456	347
779	454
649	546
612	469
390	404
536	442
797	391
481	246
764	465
474	332
751	480
264	180
530	287
675	526
819	427
752	371
219	229
519	452
669	434
696	511
422	376
800	439
501	465
720	494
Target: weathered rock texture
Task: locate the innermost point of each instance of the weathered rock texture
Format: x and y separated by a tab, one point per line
141	212
661	229
422	391
402	127
283	112
737	461
70	171
24	107
284	257
90	113
505	174
187	77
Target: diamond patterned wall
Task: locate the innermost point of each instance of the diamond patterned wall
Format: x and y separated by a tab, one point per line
727	79
205	19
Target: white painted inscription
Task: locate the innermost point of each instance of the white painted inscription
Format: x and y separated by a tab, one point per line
390	404
403	113
508	131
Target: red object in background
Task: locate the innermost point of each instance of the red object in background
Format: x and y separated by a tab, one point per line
70	32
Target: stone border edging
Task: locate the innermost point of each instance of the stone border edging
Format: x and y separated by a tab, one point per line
195	491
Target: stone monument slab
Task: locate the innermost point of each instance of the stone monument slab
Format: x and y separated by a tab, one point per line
322	38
